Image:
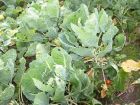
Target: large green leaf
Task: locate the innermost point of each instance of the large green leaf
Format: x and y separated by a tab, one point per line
81	85
73	17
7	66
31	49
64	41
8	93
43	87
1	64
87	38
41	99
109	34
20	71
60	90
75	81
71	38
35	71
61	57
103	20
119	42
75	4
61	72
50	63
82	51
10	54
9	2
120	80
5	76
52	9
40	15
41	52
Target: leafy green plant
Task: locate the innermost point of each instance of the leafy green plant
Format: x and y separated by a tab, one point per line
54	78
123	10
62	52
7	69
91	34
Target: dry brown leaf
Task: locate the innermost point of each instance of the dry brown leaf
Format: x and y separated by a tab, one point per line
103	93
130	65
90	73
114	21
104	90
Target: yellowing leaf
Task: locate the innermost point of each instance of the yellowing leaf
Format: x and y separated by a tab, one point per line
104	90
13	32
130	65
103	93
1	17
114	21
57	42
1	32
137	81
104	87
90	73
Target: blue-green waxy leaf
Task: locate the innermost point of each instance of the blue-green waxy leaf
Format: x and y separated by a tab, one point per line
75	81
60	90
87	38
1	64
81	51
81	84
41	99
56	75
75	4
10	68
20	71
8	93
30	96
7	66
52	9
107	49
71	38
109	34
87	34
103	20
61	72
50	63
10	2
32	19
52	32
82	14
5	76
96	102
36	71
60	79
64	41
31	49
10	54
119	42
41	52
92	24
61	57
43	87
97	31
40	15
107	39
